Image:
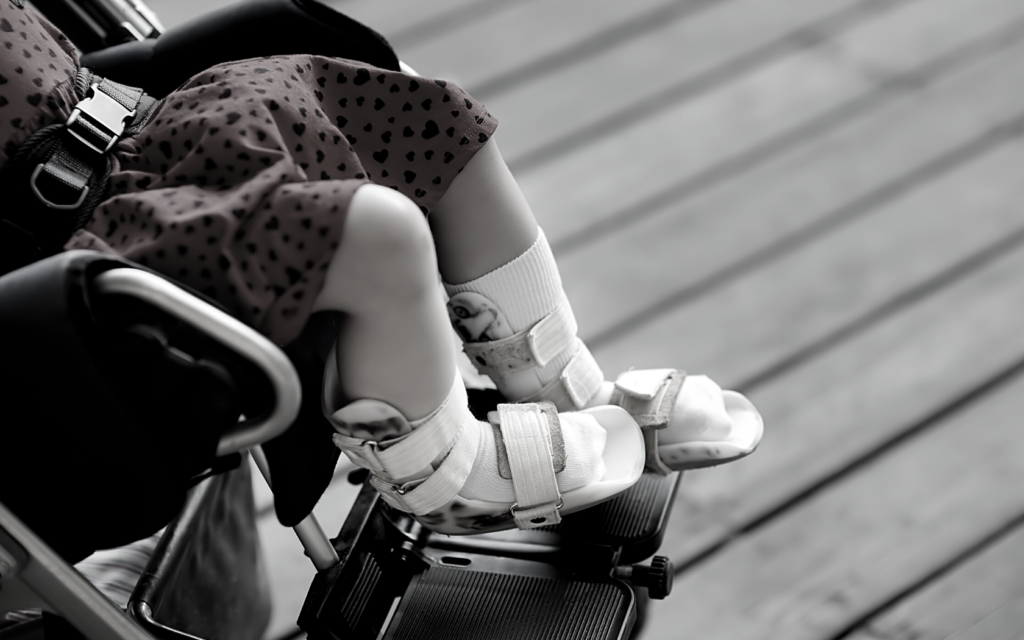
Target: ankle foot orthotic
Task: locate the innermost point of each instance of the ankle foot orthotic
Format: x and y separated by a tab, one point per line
424	471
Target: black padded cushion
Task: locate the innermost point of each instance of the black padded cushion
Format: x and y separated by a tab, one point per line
78	469
252	29
99	446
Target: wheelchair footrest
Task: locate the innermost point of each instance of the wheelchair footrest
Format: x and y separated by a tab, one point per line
448	603
399	581
634	520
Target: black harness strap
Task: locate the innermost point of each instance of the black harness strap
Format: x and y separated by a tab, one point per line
59	175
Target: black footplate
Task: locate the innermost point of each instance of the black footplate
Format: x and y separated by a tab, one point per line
397	580
486	597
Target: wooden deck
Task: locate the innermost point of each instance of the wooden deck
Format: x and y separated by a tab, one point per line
817	202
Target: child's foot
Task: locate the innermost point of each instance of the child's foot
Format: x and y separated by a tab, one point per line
458	475
519	329
689	421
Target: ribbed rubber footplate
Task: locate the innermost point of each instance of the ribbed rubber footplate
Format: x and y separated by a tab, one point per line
633	516
452	604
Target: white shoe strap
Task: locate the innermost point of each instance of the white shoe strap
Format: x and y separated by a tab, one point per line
649	395
527	349
412	453
558	455
423	497
524	429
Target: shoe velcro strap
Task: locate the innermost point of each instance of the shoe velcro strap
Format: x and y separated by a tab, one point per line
554	429
412	453
579	381
423	497
649	395
527	349
527	438
653	460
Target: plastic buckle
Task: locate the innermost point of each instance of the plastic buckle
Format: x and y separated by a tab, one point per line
364	450
50	203
104	116
408	486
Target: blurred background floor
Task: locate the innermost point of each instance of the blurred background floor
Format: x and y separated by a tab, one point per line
817	202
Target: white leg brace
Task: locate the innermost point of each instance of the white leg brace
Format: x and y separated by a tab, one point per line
519	330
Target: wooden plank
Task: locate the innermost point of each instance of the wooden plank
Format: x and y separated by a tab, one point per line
665	258
683	56
876	383
1004	624
767	112
747	325
909	36
845	552
983	592
538	35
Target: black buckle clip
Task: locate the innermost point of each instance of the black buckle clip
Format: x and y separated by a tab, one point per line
104	120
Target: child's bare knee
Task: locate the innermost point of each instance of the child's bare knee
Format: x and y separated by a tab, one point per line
387	244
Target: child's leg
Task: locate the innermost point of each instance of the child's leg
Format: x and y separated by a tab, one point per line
504	282
392	393
394	344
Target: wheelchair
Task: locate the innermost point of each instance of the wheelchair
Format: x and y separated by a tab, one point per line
79	332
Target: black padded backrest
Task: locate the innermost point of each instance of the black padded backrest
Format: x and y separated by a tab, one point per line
77	469
102	435
252	29
99	447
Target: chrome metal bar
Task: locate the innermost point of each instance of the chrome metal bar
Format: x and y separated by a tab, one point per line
227	330
316	543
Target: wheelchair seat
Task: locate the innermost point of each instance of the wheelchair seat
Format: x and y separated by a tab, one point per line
102	455
383	576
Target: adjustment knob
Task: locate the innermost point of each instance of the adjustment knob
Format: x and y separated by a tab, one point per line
656	578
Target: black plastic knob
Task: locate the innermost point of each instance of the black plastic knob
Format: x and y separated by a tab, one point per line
657	577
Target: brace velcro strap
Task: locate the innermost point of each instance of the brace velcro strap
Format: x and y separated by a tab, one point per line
524	429
558	456
582	377
579	381
649	395
412	453
555	333
422	497
534	347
